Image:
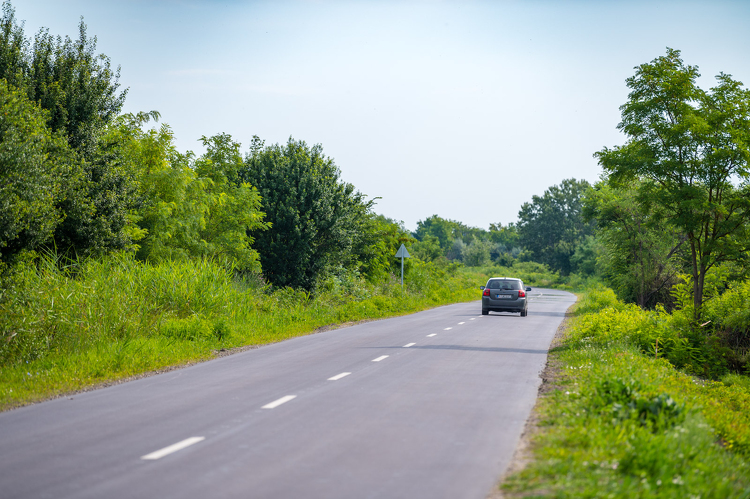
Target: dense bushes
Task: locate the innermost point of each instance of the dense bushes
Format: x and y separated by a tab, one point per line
698	350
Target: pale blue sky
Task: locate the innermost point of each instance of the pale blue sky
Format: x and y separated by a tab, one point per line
461	109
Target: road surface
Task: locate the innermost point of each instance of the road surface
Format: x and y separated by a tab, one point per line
429	405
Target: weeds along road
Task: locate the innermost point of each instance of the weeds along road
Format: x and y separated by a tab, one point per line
429	405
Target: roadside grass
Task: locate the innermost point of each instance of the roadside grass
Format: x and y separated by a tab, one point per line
625	423
69	326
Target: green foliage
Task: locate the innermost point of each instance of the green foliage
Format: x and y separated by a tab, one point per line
428	249
77	89
380	239
623	400
551	227
98	199
68	78
690	150
477	253
14	47
531	273
440	238
185	207
624	423
317	222
32	168
640	251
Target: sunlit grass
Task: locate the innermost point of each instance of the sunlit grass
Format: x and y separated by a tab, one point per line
628	424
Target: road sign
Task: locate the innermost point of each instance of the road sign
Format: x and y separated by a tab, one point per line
402	253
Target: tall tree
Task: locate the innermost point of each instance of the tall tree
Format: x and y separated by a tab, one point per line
78	87
33	166
641	252
316	219
552	226
692	148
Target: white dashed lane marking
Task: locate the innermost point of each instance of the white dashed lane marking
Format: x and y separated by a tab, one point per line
409	345
380	358
338	376
461	323
447	329
431	335
172	448
276	403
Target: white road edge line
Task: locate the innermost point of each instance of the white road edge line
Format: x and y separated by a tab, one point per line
380	358
172	448
276	403
409	345
431	335
338	376
447	329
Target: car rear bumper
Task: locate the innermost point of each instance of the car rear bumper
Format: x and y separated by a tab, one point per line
516	305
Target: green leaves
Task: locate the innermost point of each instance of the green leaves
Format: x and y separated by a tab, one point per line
689	149
551	226
32	168
316	221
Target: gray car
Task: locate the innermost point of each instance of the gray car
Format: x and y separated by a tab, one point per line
504	294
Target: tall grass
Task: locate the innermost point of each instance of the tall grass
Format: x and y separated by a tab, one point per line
68	325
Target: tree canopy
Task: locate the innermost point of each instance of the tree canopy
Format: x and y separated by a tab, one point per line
691	148
551	226
316	220
32	166
77	86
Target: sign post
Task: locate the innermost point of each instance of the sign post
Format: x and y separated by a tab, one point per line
403	254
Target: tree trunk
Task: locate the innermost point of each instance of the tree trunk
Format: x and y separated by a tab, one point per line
698	277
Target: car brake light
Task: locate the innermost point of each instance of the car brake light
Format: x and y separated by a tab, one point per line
522	294
486	292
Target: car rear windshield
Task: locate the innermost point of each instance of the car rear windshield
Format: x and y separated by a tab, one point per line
504	284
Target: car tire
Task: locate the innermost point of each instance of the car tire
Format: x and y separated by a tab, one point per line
485	312
524	313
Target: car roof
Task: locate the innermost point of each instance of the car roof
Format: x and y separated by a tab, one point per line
505	278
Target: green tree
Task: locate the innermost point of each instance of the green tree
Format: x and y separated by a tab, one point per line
551	226
477	253
381	239
14	47
33	166
428	249
77	86
450	235
95	203
441	229
691	148
79	92
316	219
187	206
506	241
641	252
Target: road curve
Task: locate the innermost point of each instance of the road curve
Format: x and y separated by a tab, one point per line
430	405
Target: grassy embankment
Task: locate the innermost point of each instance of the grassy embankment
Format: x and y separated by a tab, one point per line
65	328
623	422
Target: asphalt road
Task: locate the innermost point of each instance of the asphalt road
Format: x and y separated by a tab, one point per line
429	405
